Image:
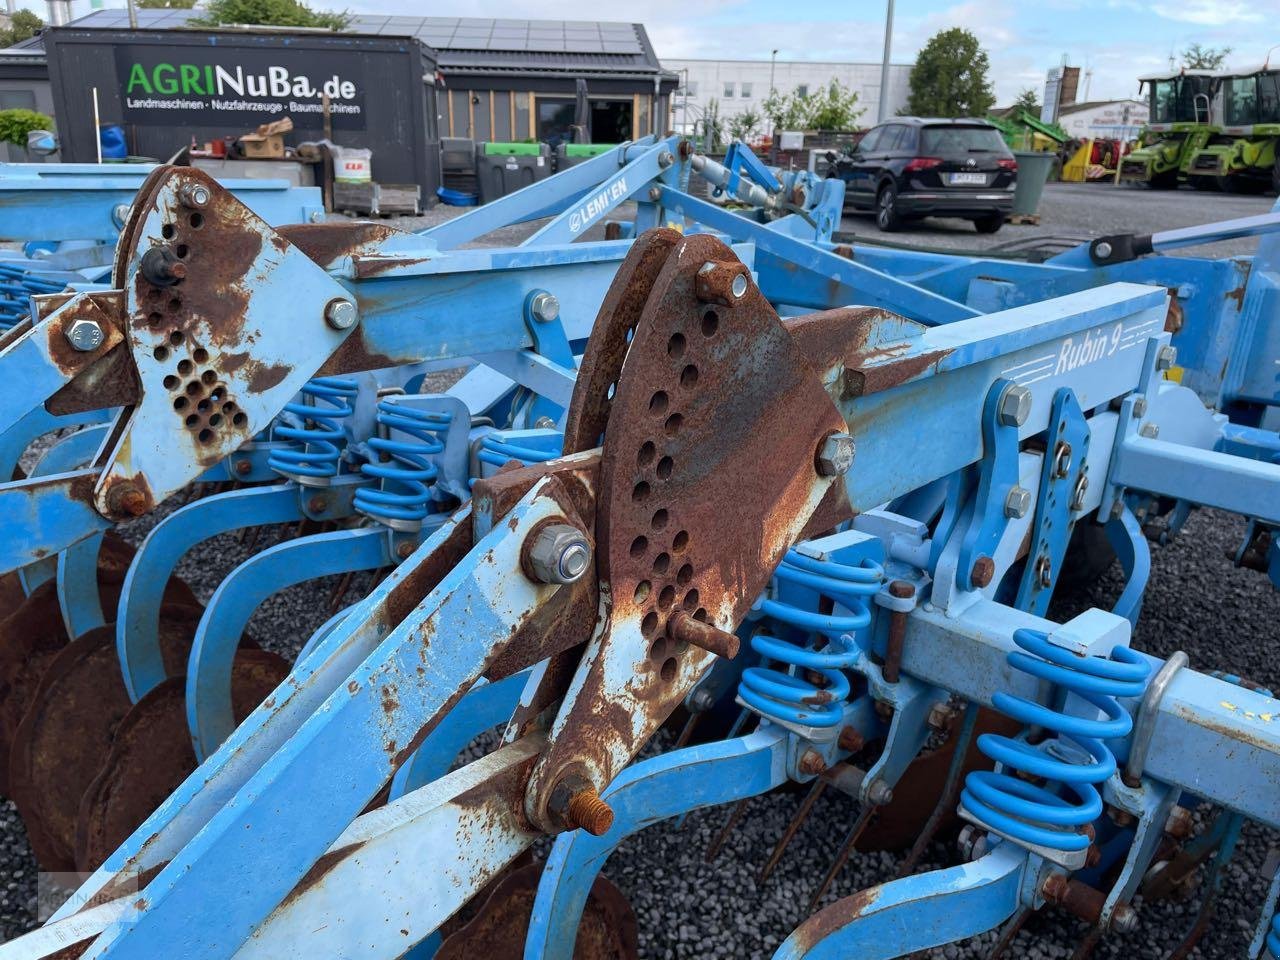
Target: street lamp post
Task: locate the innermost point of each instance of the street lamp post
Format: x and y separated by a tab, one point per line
773	61
884	66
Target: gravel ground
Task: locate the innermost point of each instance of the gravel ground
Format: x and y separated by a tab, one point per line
687	908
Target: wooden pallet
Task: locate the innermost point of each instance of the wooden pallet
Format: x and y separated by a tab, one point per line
1024	219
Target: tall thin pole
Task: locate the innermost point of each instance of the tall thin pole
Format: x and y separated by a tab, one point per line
773	62
884	66
133	15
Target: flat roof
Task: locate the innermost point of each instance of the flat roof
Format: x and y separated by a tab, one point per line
458	43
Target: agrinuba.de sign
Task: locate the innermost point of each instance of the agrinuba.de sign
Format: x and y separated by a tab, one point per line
209	88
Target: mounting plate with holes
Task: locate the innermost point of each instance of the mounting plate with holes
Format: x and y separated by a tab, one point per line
205	288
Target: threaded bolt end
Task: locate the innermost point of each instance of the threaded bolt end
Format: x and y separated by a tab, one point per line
588	812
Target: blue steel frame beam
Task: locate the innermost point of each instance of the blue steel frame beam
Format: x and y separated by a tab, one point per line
1240	485
795	272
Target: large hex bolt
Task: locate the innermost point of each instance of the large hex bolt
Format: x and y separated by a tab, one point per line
879	793
84	335
544	307
1017	503
558	553
340	314
835	455
723	283
1166	357
1015	405
194	195
1149	430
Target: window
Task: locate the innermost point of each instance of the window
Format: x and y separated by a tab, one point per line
871	142
728	91
17	100
745	91
950	141
802	90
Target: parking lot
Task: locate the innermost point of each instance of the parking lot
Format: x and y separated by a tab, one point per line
1084	211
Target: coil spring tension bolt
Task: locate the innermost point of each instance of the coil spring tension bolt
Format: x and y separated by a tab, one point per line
127	498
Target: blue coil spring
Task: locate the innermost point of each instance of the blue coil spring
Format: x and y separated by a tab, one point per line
406	473
17	285
780	694
498	453
1032	813
316	447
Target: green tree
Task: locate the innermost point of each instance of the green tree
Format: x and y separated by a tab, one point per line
16	124
1028	100
1196	57
835	107
787	111
950	77
743	124
164	4
277	13
23	26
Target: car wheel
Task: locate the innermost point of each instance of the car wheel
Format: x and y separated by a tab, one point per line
990	223
887	218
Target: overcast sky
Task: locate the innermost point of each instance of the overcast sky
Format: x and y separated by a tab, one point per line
1115	39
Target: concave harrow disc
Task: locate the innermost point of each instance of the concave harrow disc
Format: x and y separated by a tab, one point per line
498	928
151	755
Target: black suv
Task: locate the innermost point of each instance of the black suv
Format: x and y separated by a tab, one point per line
923	166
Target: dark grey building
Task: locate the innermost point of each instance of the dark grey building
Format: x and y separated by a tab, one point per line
496	79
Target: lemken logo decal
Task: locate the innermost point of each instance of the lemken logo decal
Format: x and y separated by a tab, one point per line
597	205
211	80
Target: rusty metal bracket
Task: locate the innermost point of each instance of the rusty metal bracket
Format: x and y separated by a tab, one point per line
206	285
713	405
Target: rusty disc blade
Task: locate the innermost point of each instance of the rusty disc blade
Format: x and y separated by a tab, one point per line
30	637
498	929
151	755
32	634
68	728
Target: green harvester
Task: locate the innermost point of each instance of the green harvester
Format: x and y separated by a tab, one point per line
1181	123
1245	156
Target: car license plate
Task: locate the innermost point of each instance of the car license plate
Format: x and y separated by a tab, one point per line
968	179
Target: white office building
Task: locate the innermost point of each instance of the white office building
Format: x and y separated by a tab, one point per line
739	85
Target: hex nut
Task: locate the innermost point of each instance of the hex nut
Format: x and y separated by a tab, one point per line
340	314
835	455
1166	357
723	283
1015	406
194	195
120	214
1017	503
559	553
666	159
1149	430
702	700
1124	919
879	793
85	335
544	307
1140	407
